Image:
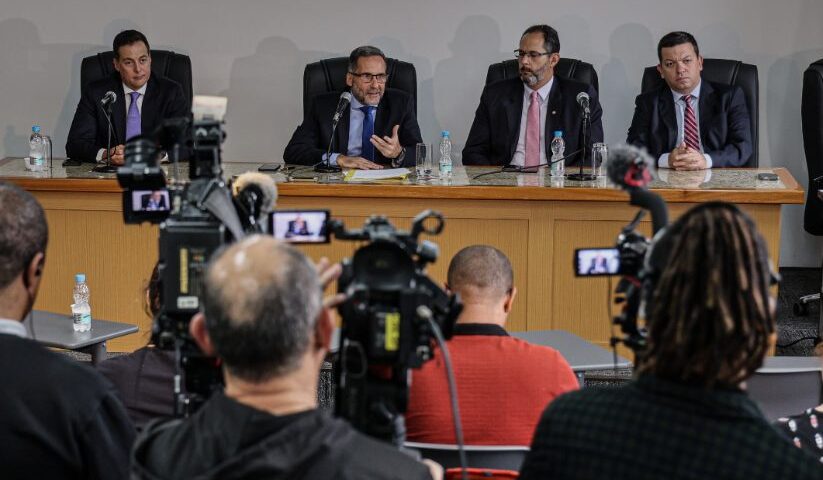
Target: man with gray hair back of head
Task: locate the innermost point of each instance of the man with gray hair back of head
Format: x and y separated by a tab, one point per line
264	318
58	419
494	372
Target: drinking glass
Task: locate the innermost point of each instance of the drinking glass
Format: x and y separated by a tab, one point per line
423	161
600	153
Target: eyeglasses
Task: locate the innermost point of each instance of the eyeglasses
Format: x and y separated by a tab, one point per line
532	55
369	77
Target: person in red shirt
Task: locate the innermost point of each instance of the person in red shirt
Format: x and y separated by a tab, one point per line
503	383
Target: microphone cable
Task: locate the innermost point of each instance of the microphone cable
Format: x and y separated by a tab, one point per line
519	169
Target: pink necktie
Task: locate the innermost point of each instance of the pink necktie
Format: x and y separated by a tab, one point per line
533	132
690	135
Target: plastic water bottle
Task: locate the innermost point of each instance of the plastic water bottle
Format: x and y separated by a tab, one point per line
558	147
81	310
37	149
445	156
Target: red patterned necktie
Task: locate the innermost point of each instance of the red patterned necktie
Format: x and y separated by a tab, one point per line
690	135
533	132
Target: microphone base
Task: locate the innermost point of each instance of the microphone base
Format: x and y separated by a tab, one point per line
581	177
104	168
323	168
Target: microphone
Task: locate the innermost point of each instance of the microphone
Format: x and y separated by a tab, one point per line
345	99
109	98
256	194
583	101
628	167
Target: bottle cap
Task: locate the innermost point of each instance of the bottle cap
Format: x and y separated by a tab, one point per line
80	278
558	133
445	133
35	128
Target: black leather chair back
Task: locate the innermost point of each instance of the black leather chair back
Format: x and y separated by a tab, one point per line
566	68
329	75
811	113
729	72
171	65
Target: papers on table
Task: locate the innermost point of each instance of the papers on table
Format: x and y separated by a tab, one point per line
376	175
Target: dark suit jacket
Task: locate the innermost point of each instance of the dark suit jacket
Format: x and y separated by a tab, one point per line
493	137
164	99
144	200
311	139
725	130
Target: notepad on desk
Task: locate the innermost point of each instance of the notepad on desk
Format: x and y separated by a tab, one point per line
376	175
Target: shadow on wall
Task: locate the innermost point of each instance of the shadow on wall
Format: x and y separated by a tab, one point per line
265	100
459	79
784	85
394	48
632	49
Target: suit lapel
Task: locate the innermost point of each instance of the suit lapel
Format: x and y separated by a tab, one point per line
381	119
705	112
554	112
148	113
665	105
118	113
513	106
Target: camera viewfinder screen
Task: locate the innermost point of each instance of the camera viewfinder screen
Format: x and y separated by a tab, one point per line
150	201
596	261
300	226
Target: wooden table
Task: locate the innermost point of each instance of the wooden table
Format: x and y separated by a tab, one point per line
537	223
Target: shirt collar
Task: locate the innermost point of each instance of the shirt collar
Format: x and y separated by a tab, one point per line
480	329
12	327
356	105
542	91
695	93
142	90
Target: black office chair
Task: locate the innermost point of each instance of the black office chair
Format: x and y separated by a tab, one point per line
811	115
729	72
171	65
566	68
329	75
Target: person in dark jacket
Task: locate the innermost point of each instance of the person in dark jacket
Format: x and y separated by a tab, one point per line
264	317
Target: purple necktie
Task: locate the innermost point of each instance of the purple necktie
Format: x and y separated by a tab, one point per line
133	118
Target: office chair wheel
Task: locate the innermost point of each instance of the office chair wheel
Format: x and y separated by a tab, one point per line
800	309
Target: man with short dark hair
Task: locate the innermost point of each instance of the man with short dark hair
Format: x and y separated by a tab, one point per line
710	321
514	122
58	419
264	317
690	123
497	375
144	100
378	129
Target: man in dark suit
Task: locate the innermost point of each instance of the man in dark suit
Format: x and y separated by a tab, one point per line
379	128
690	124
144	100
502	132
298	227
154	201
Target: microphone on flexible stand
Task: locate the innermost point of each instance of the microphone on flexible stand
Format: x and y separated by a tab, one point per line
106	103
342	104
583	101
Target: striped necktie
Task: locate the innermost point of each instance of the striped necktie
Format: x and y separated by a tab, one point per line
690	132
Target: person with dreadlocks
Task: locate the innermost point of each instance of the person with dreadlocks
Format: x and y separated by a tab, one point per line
686	414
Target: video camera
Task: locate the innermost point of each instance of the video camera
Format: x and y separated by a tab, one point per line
389	321
628	167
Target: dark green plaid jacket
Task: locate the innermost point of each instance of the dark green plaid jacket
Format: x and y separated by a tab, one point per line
655	429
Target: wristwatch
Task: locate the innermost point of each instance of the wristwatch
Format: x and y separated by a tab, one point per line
398	160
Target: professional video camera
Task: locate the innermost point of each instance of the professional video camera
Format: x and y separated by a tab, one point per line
197	216
628	168
391	317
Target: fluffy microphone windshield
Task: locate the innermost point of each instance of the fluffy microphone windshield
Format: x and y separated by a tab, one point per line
263	188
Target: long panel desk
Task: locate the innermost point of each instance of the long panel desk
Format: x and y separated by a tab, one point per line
537	222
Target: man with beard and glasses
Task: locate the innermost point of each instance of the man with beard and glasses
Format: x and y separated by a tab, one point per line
514	122
379	128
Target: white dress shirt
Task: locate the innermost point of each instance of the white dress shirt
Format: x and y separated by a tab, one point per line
519	157
680	112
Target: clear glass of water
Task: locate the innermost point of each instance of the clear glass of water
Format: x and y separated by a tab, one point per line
423	161
600	153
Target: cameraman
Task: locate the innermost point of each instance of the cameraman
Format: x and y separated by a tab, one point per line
710	320
264	317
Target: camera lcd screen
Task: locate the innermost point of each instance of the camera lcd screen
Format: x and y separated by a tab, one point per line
146	205
300	226
596	262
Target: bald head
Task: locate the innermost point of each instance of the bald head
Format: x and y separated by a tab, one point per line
480	270
261	300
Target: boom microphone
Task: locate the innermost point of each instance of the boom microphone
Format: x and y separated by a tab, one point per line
108	98
583	101
256	194
628	167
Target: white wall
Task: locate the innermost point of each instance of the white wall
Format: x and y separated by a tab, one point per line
254	52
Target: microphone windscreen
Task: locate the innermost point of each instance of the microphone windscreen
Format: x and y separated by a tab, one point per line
345	97
628	166
265	184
